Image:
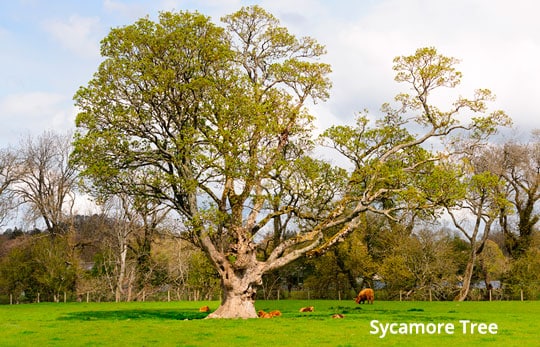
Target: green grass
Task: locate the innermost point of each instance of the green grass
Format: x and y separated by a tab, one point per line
180	324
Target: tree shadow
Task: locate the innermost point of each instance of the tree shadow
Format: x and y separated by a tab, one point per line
134	315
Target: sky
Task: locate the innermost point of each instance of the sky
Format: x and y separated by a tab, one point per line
51	48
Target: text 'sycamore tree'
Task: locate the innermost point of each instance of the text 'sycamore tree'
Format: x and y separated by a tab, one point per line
212	121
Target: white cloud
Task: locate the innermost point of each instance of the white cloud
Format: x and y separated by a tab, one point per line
33	113
80	35
497	42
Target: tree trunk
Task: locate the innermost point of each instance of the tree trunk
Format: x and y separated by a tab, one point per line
467	277
238	294
122	272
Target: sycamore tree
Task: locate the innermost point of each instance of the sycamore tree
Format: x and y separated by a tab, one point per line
213	122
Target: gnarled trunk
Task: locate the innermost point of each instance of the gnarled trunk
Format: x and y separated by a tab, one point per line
239	291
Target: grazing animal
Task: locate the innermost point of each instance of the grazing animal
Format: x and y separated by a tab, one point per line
307	309
204	309
338	316
365	295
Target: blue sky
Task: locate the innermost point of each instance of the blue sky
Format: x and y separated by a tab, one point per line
50	48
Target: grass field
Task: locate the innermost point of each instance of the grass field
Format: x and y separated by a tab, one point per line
180	324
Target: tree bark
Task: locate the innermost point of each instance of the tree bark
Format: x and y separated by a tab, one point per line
467	277
238	295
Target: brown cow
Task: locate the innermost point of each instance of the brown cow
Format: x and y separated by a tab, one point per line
263	314
307	309
365	295
271	314
275	313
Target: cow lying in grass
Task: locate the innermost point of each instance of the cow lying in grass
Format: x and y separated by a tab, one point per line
307	309
365	295
270	314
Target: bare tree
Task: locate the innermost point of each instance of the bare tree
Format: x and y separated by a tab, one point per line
8	175
46	179
519	166
133	227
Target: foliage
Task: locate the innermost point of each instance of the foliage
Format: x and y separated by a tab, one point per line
524	275
40	266
212	123
204	120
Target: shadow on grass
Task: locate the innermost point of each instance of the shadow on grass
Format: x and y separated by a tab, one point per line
133	315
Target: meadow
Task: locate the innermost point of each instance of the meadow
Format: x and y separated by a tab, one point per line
181	324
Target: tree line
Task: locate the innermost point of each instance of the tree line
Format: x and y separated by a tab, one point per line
128	251
200	133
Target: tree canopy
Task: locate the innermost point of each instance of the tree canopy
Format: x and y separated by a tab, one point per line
213	122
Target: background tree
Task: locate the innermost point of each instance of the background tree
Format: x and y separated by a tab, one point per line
475	214
519	166
492	264
46	179
16	271
55	266
205	119
9	169
523	276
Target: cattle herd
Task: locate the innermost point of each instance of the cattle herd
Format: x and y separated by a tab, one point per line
365	296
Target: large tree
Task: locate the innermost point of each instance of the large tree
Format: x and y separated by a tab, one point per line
213	122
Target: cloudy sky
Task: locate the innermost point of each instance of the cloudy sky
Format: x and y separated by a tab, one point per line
50	48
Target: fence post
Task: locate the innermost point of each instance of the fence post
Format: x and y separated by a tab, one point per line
400	296
521	294
10	298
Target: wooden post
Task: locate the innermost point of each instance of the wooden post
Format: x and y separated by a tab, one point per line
65	298
430	294
521	294
10	299
87	297
38	297
168	295
490	295
400	296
